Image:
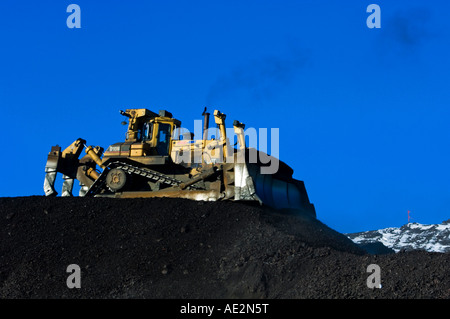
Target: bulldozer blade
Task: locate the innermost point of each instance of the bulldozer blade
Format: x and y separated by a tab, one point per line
281	193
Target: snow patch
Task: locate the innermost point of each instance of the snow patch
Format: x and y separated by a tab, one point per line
411	236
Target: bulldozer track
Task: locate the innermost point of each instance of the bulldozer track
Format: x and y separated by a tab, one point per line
155	176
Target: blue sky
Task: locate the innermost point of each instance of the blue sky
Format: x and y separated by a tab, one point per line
363	113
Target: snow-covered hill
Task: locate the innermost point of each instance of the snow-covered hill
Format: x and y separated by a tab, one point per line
433	238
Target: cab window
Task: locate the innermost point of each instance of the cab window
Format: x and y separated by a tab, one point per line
163	139
147	131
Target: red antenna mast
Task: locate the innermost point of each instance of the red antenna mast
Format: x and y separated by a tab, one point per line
409	217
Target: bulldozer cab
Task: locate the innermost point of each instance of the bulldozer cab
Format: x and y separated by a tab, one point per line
149	133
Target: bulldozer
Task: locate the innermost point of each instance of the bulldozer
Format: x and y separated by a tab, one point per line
156	160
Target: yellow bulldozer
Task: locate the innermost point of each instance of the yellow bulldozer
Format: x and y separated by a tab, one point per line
156	160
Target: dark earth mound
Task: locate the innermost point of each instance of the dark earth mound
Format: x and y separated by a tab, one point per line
174	248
